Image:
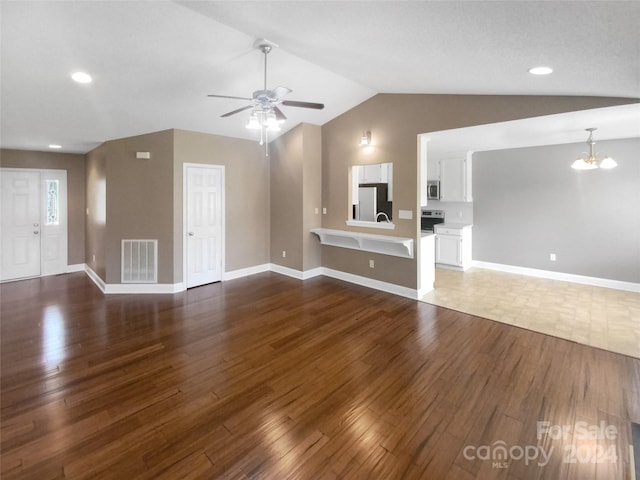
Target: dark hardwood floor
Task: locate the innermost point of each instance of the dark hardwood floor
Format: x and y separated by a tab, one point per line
270	377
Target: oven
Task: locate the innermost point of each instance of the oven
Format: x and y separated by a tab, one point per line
430	218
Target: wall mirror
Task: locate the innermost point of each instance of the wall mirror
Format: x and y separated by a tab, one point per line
372	195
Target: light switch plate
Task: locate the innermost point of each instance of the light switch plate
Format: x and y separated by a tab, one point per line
405	214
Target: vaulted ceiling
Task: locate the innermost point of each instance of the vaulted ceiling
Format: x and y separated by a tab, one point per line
154	62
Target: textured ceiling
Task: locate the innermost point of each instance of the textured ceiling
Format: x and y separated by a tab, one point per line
154	62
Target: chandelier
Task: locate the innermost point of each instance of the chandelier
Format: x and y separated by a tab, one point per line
589	161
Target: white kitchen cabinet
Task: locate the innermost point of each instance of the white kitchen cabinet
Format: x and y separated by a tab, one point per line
378	173
453	245
455	179
433	170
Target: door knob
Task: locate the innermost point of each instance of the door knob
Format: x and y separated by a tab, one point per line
35	225
191	234
35	232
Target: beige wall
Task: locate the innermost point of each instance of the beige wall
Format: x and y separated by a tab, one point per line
296	181
247	195
286	198
96	200
75	167
139	199
142	198
311	195
395	120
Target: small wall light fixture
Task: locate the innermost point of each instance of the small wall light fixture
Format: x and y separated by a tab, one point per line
365	139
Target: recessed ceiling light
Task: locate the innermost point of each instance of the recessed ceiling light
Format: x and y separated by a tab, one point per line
54	146
540	70
81	77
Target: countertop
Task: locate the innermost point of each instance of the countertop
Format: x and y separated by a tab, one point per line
453	225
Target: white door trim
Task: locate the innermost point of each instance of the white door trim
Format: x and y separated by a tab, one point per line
185	166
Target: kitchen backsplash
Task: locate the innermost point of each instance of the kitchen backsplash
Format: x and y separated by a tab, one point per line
454	212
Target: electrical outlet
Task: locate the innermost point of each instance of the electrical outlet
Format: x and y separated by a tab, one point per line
371	264
317	210
552	257
405	214
93	258
284	253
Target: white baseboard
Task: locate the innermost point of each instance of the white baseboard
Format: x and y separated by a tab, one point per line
96	278
79	267
137	288
411	293
565	277
245	272
133	288
125	288
300	275
347	277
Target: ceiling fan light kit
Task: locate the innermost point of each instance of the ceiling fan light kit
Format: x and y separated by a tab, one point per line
266	115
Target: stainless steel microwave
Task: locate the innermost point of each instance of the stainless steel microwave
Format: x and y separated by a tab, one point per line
433	190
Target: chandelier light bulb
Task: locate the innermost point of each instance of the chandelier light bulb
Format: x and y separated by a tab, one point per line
253	123
608	163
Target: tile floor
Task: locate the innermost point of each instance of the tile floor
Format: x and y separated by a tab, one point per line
596	316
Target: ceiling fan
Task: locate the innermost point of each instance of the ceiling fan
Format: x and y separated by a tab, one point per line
265	112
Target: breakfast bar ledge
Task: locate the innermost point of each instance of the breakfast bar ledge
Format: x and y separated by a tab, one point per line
368	242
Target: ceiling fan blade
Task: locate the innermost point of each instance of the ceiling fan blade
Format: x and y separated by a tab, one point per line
293	103
280	91
237	111
228	96
279	115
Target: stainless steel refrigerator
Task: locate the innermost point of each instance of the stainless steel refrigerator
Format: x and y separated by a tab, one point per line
367	203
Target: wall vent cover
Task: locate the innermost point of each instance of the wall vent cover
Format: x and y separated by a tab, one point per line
139	261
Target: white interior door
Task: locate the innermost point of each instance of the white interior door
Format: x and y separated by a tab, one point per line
204	232
34	223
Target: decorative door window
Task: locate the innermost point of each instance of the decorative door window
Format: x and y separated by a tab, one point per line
53	202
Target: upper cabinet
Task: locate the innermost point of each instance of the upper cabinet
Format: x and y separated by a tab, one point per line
378	173
433	170
455	179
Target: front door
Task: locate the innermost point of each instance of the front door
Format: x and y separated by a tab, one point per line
204	243
20	224
34	223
